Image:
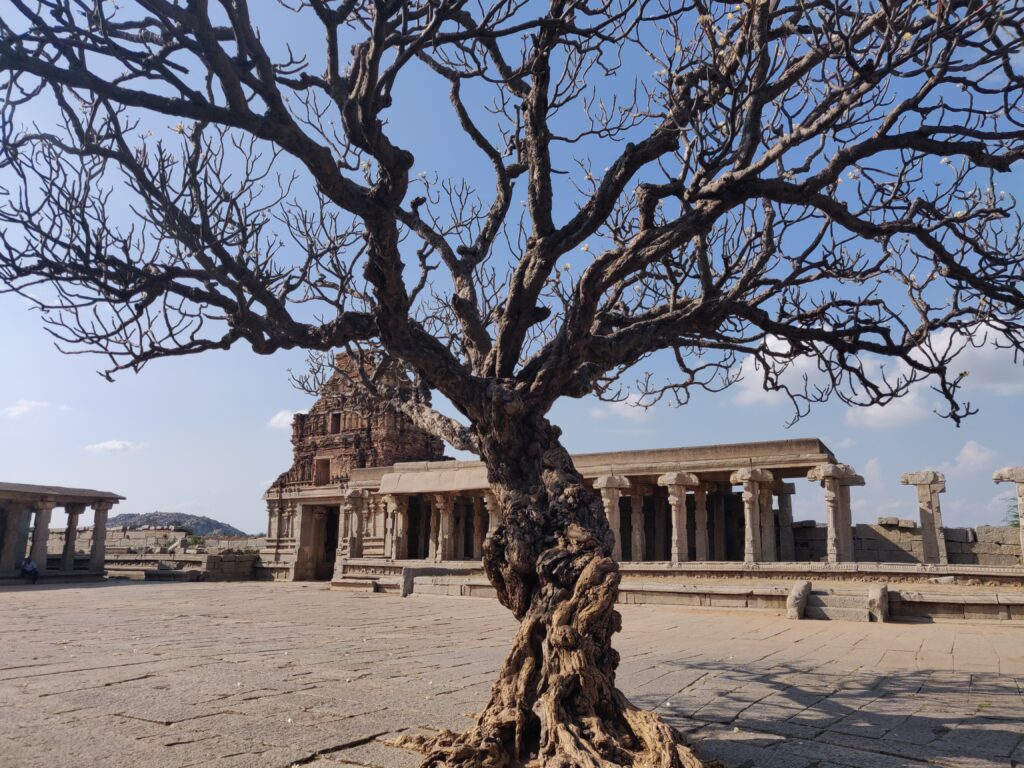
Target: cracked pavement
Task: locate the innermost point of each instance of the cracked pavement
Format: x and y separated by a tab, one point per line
275	675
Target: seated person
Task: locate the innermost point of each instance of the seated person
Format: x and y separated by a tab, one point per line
30	569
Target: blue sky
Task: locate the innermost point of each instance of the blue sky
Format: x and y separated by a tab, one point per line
198	434
206	435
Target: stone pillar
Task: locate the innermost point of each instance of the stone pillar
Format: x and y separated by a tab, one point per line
388	513
352	508
638	545
929	485
846	508
718	511
611	487
444	549
660	537
98	552
764	504
41	533
700	513
399	508
751	480
10	555
475	509
494	516
839	539
787	546
677	484
67	560
1015	475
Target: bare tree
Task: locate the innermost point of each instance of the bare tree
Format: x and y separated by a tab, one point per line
807	183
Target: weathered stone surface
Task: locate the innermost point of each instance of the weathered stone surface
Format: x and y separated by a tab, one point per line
878	602
1009	475
796	603
146	684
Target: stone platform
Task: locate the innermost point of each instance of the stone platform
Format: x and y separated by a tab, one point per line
253	674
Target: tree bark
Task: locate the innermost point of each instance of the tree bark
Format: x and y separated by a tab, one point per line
554	703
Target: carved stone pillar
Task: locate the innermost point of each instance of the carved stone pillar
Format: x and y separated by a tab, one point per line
846	509
459	524
611	488
494	514
398	506
700	515
10	555
833	478
718	512
67	560
353	509
751	480
638	543
41	533
764	503
929	485
475	509
677	484
1015	475
787	546
97	554
444	548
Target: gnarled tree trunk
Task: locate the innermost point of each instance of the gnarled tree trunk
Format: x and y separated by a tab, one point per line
555	703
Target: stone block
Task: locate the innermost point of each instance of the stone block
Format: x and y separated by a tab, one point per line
796	603
878	602
888	521
906	523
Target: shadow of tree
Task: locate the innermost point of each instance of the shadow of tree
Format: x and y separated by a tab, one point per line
785	715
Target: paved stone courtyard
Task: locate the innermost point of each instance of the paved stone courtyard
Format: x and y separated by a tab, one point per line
282	674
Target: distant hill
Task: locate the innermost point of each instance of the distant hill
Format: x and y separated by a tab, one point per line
195	524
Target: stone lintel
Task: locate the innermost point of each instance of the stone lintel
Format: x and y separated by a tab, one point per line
1009	475
741	476
927	477
611	481
784	488
826	471
852	480
679	478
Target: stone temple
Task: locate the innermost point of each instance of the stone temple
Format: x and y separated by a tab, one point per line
369	494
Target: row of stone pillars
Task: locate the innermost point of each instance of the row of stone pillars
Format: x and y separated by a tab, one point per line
444	532
759	490
17	516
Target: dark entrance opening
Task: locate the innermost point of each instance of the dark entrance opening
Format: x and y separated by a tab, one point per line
325	563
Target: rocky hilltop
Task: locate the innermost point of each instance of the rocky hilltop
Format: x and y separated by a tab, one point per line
194	524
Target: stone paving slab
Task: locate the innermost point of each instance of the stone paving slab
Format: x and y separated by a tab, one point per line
275	675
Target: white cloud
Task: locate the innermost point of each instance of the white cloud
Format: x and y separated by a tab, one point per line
908	409
114	446
625	409
21	408
281	420
873	472
972	458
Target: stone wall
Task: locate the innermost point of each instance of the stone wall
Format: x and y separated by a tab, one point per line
893	540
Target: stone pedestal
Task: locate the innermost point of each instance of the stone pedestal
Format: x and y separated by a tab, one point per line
1015	475
611	488
929	485
751	480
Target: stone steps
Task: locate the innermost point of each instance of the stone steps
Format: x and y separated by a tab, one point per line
373	547
354	584
836	614
829	606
